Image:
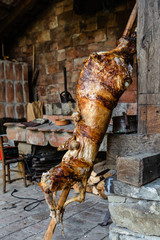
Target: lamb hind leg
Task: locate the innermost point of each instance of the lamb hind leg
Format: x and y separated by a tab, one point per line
52	225
81	196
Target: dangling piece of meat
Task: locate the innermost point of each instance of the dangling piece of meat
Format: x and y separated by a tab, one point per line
103	79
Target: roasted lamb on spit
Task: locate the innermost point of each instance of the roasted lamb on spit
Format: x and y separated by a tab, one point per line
103	79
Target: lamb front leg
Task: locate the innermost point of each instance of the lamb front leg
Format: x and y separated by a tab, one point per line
81	196
51	202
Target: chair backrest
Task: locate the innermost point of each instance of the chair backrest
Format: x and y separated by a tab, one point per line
2	150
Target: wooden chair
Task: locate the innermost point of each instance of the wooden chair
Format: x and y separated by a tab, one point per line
6	167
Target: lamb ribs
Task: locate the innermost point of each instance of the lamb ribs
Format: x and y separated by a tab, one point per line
103	79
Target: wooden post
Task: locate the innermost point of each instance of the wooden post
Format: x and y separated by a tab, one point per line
3	164
52	225
148	55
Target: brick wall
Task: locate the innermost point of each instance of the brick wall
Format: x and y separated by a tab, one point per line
63	38
13	89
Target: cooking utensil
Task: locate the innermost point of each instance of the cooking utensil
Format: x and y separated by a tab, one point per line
61	122
65	95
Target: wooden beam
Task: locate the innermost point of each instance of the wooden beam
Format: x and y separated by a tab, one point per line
18	11
138	169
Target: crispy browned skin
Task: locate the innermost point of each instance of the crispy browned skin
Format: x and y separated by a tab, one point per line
103	79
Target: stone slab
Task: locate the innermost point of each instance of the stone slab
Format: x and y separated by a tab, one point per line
116	233
68	108
16	134
139	216
24	148
57	139
150	191
36	138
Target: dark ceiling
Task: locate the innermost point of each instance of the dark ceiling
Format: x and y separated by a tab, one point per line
16	14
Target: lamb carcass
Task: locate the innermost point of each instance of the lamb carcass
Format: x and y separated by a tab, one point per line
103	79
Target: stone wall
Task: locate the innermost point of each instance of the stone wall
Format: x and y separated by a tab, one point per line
63	38
13	89
135	211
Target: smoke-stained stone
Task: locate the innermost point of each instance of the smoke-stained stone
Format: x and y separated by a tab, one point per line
139	216
150	191
116	233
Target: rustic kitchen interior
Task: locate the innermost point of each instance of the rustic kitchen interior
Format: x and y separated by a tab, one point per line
44	45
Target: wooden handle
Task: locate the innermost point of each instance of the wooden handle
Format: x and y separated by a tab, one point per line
131	20
52	225
50	230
